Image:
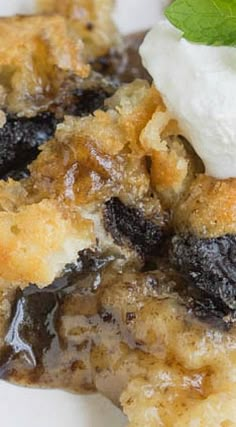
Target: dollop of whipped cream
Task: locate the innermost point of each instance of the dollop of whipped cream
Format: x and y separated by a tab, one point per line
198	86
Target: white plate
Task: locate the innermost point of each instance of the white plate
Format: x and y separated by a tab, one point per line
41	408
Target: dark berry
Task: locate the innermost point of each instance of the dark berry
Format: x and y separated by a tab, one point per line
128	225
19	142
210	267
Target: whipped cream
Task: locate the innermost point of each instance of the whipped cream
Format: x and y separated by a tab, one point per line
198	85
12	7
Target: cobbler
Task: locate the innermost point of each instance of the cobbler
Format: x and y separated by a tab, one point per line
117	251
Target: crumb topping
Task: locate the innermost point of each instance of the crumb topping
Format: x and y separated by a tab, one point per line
90	20
208	208
36	54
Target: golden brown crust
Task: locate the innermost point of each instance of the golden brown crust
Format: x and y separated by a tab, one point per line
37	240
134	104
90	20
173	165
208	209
36	54
89	161
101	151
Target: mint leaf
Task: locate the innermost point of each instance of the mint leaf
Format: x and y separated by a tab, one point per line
210	22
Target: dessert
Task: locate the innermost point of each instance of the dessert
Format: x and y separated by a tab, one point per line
117	255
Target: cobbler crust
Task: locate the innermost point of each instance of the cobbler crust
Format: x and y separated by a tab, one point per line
90	20
208	208
26	255
36	55
90	160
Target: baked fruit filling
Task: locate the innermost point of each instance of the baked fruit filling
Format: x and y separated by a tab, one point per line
117	251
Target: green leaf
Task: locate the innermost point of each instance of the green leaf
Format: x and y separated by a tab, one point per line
210	22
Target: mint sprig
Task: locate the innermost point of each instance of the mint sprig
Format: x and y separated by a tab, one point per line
209	22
